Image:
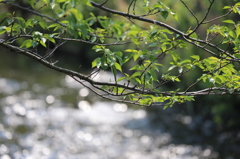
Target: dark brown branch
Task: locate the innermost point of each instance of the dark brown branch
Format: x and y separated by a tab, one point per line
87	79
109	98
50	52
70	72
78	40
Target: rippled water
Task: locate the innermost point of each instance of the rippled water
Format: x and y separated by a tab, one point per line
36	123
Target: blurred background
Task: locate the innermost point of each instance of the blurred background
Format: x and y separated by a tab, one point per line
45	114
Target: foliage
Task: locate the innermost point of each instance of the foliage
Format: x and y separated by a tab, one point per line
152	70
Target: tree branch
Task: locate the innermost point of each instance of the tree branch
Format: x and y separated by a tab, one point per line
186	37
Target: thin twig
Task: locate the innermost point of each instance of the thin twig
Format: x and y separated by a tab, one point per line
185	37
193	14
201	22
209	21
104	3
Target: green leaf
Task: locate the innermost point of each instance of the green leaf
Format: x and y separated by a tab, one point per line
34	44
4	16
43	42
60	1
137	80
229	21
164	14
2	29
93	39
175	16
45	1
21	22
96	63
53	25
120	79
187	61
43	25
196	57
238	30
84	31
153	45
118	67
104	21
49	37
104	64
226	7
77	15
175	56
130	50
136	74
152	58
153	75
135	56
87	2
154	33
172	67
98	48
146	100
27	43
157	6
32	3
236	9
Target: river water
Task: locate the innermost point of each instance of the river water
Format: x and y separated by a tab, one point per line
66	121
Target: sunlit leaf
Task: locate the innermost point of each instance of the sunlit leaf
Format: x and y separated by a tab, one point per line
229	21
118	67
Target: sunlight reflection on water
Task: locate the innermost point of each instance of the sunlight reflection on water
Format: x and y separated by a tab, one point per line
83	92
120	107
50	99
42	126
8	86
84	105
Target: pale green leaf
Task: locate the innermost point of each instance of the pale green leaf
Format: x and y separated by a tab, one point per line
229	21
118	67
